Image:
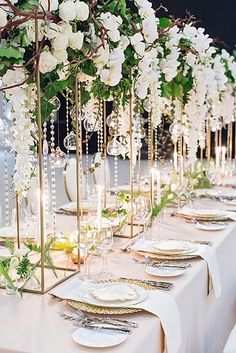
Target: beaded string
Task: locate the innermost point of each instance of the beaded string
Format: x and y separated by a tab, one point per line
53	172
6	183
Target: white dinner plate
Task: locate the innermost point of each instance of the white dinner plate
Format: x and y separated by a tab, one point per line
164	271
230	202
87	297
210	226
173	247
98	338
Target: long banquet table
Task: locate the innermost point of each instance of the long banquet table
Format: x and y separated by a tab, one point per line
32	325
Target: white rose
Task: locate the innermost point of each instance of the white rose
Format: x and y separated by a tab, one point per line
47	62
65	28
67	11
76	40
50	5
82	10
3	18
60	42
61	55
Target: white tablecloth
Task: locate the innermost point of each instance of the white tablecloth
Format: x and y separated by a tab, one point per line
32	325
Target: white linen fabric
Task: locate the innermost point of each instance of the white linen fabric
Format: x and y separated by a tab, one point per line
230	346
157	303
206	252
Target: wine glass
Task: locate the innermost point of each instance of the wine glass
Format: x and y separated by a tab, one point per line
103	244
142	211
86	242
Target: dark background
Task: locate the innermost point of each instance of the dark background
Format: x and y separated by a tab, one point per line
218	17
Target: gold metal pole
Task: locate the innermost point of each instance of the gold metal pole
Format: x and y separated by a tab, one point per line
17	221
40	160
105	151
78	169
201	154
131	160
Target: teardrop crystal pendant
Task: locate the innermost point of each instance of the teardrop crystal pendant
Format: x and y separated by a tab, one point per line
59	157
45	148
70	141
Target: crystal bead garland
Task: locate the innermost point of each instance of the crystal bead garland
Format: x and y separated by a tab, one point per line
155	146
101	129
6	183
116	152
87	162
67	122
149	136
53	172
45	169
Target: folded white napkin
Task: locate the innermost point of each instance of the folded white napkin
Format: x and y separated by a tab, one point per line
157	303
231	215
204	251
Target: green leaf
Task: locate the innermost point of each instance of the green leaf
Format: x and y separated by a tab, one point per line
89	68
164	22
85	96
10	246
176	89
166	90
53	88
46	108
6	276
11	52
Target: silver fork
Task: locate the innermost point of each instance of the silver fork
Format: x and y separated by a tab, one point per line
79	315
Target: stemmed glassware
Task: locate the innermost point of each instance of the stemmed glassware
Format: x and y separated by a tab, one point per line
103	243
87	237
142	211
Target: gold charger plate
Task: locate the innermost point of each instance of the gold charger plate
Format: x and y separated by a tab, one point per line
93	309
167	257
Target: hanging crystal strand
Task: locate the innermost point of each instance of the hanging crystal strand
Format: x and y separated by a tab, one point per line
101	120
116	107
98	140
67	119
87	162
53	172
155	146
149	133
6	183
45	169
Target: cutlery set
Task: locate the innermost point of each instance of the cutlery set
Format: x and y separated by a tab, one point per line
96	322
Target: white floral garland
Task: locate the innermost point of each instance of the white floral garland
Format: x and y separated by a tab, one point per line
22	99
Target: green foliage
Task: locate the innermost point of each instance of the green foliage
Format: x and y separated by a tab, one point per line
46	109
164	22
88	68
53	88
28	5
11	52
24	267
167	197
